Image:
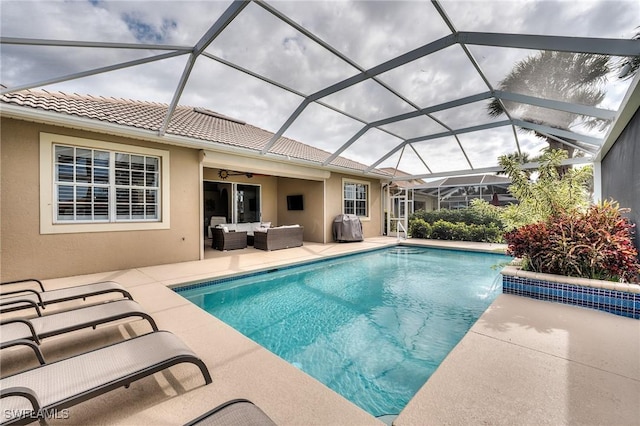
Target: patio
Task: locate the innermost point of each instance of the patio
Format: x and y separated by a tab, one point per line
523	362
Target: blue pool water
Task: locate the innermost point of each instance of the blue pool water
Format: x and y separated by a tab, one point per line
373	326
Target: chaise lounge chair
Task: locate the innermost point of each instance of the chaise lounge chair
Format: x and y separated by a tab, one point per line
26	298
30	395
23	331
237	412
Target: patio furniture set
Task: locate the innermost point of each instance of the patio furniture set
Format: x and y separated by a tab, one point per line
27	396
259	235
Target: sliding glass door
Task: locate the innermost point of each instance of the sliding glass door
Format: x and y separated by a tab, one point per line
237	203
247	203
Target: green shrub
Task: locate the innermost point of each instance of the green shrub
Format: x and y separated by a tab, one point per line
461	231
418	228
479	222
478	213
466	215
441	230
595	244
488	213
487	234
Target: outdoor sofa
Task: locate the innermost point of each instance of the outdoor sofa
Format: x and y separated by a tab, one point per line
235	241
213	222
228	240
277	238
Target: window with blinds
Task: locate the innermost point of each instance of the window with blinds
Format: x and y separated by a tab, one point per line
93	185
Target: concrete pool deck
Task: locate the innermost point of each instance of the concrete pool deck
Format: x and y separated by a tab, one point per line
523	362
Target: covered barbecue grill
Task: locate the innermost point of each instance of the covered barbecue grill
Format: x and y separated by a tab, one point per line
347	227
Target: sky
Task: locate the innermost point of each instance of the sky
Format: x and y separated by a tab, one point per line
367	32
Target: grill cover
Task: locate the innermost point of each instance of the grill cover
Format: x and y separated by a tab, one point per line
347	227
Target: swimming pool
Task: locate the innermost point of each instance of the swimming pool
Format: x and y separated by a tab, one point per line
371	326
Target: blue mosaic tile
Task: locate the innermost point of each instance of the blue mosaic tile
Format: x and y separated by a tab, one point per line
613	301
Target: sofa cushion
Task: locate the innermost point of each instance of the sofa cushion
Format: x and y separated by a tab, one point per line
248	227
217	220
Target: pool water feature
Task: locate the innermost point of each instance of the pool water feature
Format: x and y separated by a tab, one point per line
371	326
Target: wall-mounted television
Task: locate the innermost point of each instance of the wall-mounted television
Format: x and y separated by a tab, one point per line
294	202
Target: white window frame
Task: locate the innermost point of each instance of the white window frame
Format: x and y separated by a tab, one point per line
48	223
368	200
234	191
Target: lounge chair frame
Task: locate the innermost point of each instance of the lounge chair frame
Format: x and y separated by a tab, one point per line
73	320
12	387
252	415
25	342
20	298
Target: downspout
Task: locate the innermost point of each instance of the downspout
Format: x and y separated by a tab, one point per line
383	202
387	209
201	202
597	181
324	211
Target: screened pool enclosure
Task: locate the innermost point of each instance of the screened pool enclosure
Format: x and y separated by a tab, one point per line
430	88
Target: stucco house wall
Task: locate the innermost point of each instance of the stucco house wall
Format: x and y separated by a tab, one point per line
371	226
311	217
27	253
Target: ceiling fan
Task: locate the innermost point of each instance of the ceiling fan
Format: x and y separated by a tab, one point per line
224	173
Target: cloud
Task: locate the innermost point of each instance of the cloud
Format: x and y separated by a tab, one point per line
258	41
146	32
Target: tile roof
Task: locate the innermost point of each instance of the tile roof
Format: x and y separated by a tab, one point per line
187	121
399	173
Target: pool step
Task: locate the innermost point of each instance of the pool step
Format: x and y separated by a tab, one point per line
405	250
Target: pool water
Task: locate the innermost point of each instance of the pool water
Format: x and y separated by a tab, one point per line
372	326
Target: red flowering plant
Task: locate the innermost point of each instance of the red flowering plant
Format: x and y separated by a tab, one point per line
597	243
529	243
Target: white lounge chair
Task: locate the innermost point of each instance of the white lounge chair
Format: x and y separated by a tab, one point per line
237	412
26	331
24	298
31	394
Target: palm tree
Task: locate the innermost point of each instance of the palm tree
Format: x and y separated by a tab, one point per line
563	76
628	67
518	158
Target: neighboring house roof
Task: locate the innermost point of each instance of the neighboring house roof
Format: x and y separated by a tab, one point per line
399	173
467	181
187	121
463	188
